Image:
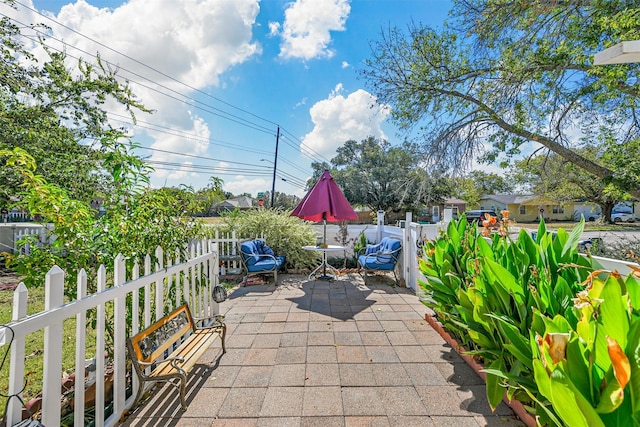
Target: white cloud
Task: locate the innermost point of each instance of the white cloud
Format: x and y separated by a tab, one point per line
305	32
190	40
241	184
345	64
274	29
338	119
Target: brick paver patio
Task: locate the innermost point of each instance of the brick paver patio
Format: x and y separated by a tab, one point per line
317	353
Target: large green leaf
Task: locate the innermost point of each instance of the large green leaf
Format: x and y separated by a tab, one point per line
577	367
479	305
542	378
620	417
612	396
495	390
633	354
571	405
632	285
519	344
484	249
506	280
571	245
542	231
544	411
529	246
613	320
482	339
563	295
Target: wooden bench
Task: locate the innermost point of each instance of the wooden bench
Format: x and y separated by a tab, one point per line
177	337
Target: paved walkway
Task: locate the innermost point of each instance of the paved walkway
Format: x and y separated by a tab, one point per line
314	353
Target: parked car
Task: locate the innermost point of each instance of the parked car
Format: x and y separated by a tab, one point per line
588	216
478	215
624	217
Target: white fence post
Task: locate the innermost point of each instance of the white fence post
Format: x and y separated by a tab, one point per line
159	288
100	346
16	376
147	292
81	337
408	253
54	298
119	338
380	224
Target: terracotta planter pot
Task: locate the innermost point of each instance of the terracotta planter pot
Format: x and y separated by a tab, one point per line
515	405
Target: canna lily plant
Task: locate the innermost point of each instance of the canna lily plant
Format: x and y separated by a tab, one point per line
486	289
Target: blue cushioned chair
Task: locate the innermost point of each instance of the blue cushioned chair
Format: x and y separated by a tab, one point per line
380	257
258	258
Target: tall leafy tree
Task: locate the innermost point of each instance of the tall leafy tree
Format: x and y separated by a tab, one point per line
381	176
54	113
503	74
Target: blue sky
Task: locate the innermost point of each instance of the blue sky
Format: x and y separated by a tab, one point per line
221	75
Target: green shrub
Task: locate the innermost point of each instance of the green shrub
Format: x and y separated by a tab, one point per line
284	233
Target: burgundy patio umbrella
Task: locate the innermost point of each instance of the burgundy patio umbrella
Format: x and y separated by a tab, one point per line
325	202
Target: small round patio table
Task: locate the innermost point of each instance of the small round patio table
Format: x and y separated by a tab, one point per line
324	266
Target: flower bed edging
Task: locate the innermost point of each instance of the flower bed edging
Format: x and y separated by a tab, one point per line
515	405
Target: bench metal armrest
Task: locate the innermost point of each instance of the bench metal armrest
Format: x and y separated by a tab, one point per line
211	322
246	256
158	362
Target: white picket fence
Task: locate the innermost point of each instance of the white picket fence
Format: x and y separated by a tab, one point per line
141	295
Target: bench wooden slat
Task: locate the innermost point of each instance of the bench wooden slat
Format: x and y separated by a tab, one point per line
191	351
175	335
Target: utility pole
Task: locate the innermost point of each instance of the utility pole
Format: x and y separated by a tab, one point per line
275	165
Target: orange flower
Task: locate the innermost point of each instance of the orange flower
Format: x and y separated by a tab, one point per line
489	219
557	345
619	361
505	214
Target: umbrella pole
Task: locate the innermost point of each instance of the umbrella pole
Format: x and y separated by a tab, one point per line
324	240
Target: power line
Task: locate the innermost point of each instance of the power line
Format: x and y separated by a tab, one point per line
288	176
146	65
195	103
171	131
185	100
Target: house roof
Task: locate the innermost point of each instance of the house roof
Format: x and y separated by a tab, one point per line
242	202
505	199
519	199
454	201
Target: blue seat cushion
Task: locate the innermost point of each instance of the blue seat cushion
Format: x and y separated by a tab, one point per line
250	252
267	250
390	246
372	249
370	263
267	264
